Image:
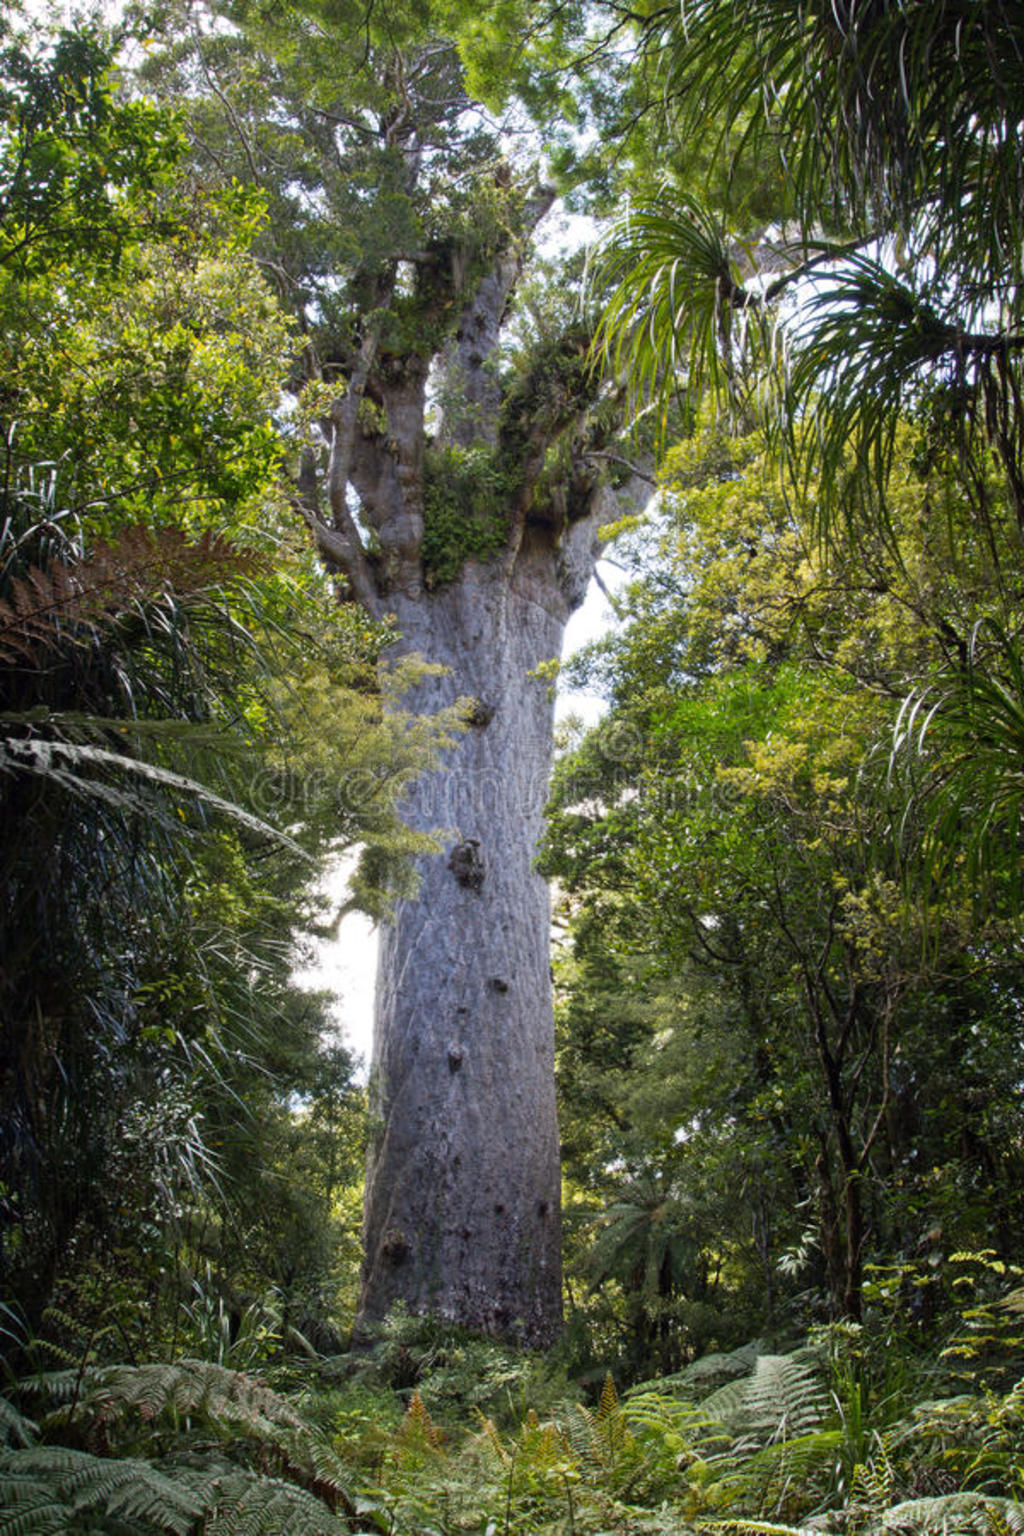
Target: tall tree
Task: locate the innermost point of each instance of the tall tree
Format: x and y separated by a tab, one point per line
451	479
752	849
887	134
173	672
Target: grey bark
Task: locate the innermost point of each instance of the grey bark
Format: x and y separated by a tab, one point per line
463	1188
462	1197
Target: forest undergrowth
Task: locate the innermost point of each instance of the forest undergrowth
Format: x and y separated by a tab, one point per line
897	1424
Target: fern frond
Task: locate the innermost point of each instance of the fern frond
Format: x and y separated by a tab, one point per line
418	1426
68	601
30	1508
608	1404
805	1462
752	1528
689	1425
873	1481
53	1389
60	1486
310	1461
726	1402
580	1432
782	1400
244	1504
719	1368
952	1512
15	1429
187	1389
489	1437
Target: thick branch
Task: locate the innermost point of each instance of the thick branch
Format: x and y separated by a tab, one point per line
466	376
340	545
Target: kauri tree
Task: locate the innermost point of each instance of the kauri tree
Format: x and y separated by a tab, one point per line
452	478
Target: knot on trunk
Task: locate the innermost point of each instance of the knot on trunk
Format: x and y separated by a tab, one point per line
467	865
479	713
395	1246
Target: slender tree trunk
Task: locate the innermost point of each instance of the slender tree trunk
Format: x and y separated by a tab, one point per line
462	1200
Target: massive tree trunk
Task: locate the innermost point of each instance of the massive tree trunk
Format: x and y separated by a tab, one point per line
462	1199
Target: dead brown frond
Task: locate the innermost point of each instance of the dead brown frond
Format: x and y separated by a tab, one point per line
72	600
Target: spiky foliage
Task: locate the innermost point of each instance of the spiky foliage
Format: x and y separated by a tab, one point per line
886	133
959	741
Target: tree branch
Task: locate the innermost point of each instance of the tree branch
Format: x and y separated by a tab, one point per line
340	544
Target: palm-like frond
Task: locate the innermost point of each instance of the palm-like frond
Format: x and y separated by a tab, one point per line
867	348
77	767
887	122
673	292
962	742
643	1237
865	108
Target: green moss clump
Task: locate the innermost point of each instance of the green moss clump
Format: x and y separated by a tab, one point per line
467	493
